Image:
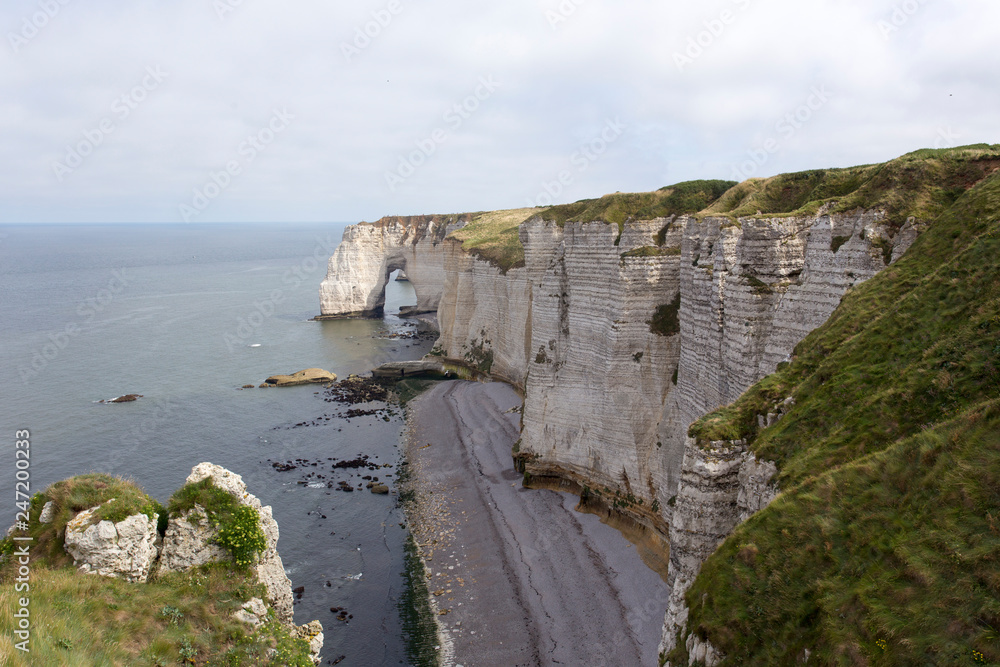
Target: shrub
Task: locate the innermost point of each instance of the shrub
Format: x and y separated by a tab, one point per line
238	525
665	320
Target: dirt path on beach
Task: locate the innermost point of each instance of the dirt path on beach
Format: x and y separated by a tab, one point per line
518	577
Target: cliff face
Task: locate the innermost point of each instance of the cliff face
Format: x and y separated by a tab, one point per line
609	399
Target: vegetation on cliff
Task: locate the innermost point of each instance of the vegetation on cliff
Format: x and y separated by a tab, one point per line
922	184
680	199
884	547
493	237
87	619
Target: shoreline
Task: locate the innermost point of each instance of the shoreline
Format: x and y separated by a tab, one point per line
516	576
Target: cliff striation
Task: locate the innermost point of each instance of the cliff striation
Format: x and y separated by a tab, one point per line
624	320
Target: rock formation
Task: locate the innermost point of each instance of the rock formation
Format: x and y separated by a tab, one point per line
308	376
189	542
179	553
360	267
126	549
621	337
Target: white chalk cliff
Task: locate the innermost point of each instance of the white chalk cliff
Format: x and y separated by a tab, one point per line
608	400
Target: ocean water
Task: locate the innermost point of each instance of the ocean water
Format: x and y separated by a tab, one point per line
185	315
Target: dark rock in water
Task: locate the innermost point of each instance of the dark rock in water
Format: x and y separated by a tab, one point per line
339	660
299	592
248	386
127	398
357	389
381	489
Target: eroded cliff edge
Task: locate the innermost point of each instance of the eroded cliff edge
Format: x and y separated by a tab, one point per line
621	335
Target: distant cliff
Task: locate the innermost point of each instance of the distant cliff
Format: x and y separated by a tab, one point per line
625	319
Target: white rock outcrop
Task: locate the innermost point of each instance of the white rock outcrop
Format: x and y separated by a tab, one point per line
126	549
312	632
48	512
189	542
179	551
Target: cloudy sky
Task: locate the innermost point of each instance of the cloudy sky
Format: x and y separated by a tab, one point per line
262	110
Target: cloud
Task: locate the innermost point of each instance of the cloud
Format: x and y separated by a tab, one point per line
366	83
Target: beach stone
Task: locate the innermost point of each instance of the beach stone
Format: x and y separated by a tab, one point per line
380	489
124	550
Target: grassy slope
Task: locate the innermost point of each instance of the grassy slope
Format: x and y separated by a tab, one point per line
493	236
82	619
885	546
921	184
680	199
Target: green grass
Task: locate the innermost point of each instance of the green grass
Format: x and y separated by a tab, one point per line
680	199
494	237
239	526
85	620
80	493
884	546
922	184
652	251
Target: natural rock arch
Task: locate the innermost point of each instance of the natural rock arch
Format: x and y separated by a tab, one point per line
369	253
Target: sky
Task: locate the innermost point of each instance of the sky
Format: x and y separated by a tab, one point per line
310	111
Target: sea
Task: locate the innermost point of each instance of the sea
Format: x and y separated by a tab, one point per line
185	316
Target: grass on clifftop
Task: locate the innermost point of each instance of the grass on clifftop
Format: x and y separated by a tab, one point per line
884	547
83	620
922	184
239	531
493	237
680	199
83	492
86	619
